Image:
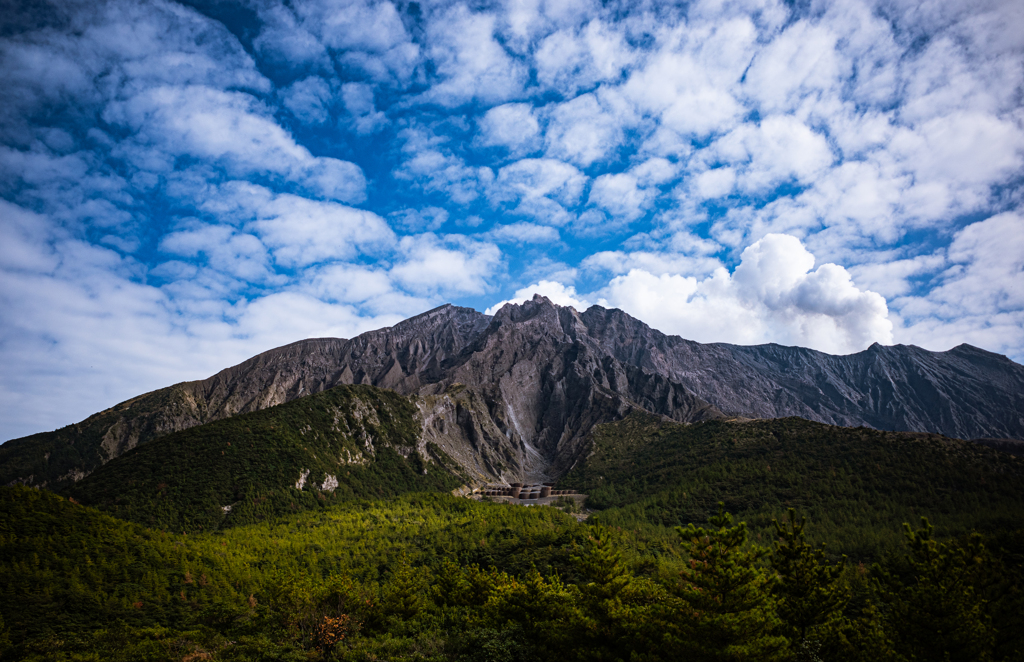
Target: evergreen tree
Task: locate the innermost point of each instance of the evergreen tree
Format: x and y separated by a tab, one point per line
934	612
728	610
608	627
810	597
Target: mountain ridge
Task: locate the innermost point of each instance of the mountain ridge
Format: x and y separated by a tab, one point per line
523	387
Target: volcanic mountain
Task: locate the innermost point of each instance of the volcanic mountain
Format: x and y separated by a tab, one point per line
515	395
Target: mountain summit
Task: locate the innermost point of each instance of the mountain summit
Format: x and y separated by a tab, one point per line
514	396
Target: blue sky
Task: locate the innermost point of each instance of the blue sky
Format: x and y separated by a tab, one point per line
187	184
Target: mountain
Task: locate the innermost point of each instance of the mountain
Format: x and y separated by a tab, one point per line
515	395
347	441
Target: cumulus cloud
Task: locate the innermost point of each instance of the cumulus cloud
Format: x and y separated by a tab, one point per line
512	125
450	265
308	99
774	295
559	294
541	188
230	128
470	63
524	233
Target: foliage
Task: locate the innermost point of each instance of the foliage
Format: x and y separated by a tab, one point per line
376	569
856	485
434	577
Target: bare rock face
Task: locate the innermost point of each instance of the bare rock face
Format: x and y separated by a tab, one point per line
513	397
964	393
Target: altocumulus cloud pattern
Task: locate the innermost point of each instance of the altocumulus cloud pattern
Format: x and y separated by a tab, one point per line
186	184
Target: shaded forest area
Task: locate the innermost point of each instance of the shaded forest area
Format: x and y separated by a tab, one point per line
857	485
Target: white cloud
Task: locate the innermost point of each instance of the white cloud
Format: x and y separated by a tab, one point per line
230	128
571	60
980	294
584	131
892	278
691	80
802	61
523	21
541	188
284	42
447	266
774	295
302	231
955	159
621	262
714	183
367	37
524	233
772	152
358	98
76	314
620	196
436	169
512	125
238	254
308	99
469	61
559	294
370	288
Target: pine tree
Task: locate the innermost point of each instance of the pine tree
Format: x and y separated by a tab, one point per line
729	612
933	609
810	596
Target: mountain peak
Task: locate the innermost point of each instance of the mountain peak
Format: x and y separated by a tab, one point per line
515	395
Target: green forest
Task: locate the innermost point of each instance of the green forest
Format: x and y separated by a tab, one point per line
435	577
726	540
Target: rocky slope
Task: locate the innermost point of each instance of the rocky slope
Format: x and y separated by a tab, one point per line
514	396
346	441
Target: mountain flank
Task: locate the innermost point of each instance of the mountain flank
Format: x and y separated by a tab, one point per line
857	485
347	441
515	395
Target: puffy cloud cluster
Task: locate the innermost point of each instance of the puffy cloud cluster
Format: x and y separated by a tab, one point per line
559	294
774	295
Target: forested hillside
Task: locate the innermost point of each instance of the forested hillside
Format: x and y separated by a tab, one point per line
348	441
434	577
856	485
324	529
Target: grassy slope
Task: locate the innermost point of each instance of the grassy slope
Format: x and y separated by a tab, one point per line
252	463
856	486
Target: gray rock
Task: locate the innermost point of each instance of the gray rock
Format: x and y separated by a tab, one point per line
513	396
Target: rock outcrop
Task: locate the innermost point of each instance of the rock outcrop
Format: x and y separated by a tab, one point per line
513	396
